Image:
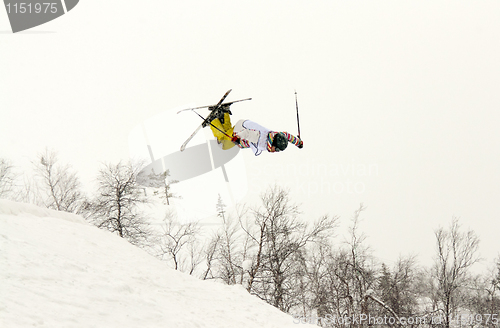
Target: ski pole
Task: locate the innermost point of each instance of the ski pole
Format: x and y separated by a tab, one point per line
297	107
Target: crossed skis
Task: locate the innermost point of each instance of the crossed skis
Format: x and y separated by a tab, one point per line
215	109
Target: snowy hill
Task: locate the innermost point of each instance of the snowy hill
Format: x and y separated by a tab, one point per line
58	271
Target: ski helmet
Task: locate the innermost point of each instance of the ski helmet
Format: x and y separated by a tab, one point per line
280	141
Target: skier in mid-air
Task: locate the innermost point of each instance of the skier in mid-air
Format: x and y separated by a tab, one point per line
248	134
245	133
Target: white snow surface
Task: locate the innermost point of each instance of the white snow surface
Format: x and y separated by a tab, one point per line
56	270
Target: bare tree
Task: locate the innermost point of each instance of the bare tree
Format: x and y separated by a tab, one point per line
178	243
116	205
399	287
280	240
317	302
256	233
456	253
54	185
496	280
342	280
195	256
483	297
7	178
227	249
210	253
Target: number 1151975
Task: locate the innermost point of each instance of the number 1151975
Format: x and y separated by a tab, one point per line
31	8
481	319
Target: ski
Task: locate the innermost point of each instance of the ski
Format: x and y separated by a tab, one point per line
208	119
213	106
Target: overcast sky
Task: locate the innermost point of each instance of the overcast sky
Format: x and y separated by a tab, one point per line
399	101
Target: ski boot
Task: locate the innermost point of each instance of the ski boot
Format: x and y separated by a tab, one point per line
216	113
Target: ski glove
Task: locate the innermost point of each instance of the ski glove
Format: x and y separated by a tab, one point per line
235	139
301	144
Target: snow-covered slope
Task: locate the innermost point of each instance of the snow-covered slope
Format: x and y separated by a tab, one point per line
58	271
